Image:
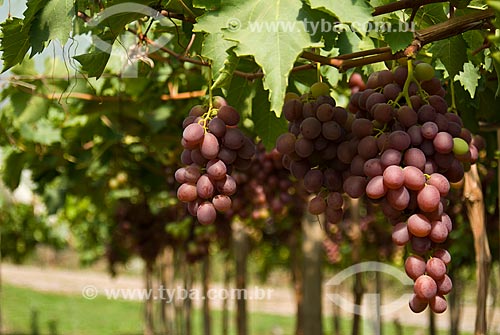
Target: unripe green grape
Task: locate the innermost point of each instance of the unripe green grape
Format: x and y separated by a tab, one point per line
291	96
460	146
423	72
319	88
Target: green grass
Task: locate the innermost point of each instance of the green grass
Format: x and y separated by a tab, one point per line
74	315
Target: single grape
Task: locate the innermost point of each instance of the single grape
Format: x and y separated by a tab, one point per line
286	143
414	178
393	177
399	198
373	167
355	186
460	146
229	115
435	268
399	140
209	146
310	128
325	112
419	225
192	173
313	180
417	305
194	132
415	266
444	285
423	72
425	287
443	255
222	203
317	205
429	130
390	157
226	186
204	187
443	142
234	138
206	213
187	192
217	127
320	88
438	304
400	234
415	157
331	130
440	182
376	189
428	198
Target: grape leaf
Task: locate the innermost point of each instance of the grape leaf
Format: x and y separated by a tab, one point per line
495	56
353	11
267	125
93	62
207	4
268	31
41	132
452	52
398	40
14	42
13	168
54	21
216	49
469	78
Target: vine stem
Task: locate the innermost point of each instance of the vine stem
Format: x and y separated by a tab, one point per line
453	106
210	88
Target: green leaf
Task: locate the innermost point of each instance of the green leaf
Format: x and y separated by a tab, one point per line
496	63
33	6
55	21
452	52
13	167
240	95
469	78
41	132
431	14
474	39
354	11
14	42
215	48
267	125
32	112
94	62
223	80
398	40
207	4
268	31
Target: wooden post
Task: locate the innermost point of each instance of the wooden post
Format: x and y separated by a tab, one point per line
167	282
207	322
312	249
240	245
148	303
476	212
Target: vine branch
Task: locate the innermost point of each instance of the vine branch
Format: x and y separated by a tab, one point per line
403	4
452	27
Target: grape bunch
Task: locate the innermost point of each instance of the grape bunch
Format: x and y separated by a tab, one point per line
266	191
409	149
317	138
213	145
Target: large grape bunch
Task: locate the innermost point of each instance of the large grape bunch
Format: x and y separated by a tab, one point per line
317	147
409	148
213	145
